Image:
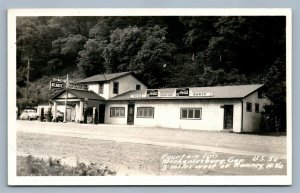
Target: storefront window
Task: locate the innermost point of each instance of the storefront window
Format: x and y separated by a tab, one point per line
117	111
191	113
183	113
145	112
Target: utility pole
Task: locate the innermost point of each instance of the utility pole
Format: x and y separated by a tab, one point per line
28	75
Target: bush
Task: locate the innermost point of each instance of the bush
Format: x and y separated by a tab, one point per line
30	166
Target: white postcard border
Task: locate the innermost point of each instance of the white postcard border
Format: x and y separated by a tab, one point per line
142	180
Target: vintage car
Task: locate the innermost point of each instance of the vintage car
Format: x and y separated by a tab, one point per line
29	114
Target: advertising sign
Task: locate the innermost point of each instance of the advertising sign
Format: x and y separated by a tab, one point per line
152	93
163	93
78	86
137	96
182	92
201	94
57	84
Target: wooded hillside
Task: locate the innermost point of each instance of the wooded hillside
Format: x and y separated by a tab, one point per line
163	51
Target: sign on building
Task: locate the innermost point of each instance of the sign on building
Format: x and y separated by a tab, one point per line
152	93
166	94
137	96
201	94
182	92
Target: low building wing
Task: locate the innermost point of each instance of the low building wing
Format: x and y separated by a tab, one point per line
216	92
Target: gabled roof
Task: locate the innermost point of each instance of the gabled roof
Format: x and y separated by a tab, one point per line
81	94
103	77
217	92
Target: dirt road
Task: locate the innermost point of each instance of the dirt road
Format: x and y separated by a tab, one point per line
240	144
138	150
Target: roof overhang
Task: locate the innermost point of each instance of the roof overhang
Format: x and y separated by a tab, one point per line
79	95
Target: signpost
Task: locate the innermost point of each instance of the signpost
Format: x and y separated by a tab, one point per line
61	84
64	83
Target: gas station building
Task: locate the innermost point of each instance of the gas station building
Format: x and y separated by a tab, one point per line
121	98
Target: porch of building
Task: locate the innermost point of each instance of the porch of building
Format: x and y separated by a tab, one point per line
80	106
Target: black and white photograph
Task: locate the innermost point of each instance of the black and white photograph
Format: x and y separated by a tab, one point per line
149	97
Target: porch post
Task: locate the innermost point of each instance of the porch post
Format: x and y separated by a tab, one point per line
94	115
55	111
81	111
65	114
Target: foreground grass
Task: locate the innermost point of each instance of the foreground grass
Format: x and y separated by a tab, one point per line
31	166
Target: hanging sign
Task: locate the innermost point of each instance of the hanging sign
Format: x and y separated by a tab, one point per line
152	93
77	86
57	84
182	92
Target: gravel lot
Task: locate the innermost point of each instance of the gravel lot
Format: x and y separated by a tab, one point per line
138	158
233	143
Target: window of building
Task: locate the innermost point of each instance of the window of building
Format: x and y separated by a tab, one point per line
117	111
190	113
138	87
256	107
116	88
249	107
100	89
145	112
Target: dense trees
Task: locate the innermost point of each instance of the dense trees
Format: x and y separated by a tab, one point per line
164	51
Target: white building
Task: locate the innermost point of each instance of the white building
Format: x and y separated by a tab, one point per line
121	98
110	85
81	101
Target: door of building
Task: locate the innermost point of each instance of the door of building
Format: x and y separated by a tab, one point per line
101	113
130	114
68	117
228	116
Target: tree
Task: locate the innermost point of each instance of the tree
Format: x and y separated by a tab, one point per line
275	88
124	45
245	43
90	60
185	71
101	30
65	50
199	32
154	58
143	50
